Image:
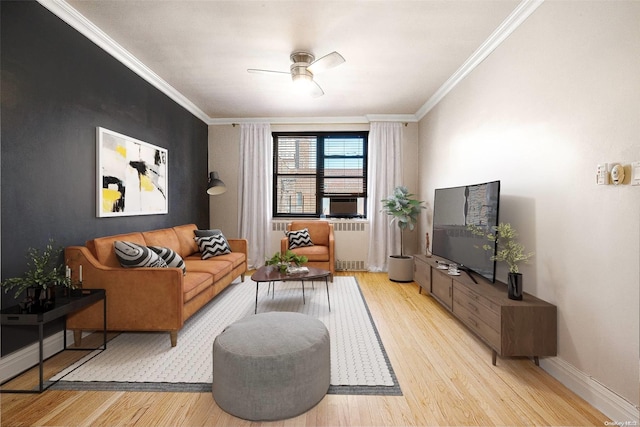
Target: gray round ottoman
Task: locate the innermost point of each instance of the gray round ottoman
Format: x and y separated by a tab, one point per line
271	366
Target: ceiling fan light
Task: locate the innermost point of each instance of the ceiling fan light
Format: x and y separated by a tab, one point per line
302	79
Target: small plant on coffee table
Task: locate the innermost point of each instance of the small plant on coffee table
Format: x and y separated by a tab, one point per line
283	260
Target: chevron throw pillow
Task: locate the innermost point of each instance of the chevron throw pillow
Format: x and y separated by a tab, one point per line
170	257
299	238
207	233
211	246
132	255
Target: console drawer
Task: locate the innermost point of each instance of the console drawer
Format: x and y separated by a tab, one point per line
474	296
474	306
481	328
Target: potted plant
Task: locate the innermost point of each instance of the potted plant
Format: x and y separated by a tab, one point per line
40	279
509	250
404	210
282	261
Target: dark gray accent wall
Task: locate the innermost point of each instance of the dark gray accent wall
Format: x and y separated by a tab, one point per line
57	87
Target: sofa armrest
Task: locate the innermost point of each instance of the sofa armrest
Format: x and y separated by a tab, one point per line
239	245
284	244
137	298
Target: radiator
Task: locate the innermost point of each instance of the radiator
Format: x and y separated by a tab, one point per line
351	242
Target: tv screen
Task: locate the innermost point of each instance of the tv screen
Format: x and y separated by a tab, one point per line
454	209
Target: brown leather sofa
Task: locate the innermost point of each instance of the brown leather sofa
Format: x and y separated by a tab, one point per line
147	298
322	253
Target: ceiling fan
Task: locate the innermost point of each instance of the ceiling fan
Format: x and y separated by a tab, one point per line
304	67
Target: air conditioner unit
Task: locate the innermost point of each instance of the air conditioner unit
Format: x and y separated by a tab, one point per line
343	207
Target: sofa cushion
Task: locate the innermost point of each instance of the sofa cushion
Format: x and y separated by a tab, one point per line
299	238
165	238
218	269
194	283
132	255
235	258
318	230
211	246
185	234
102	247
171	257
313	253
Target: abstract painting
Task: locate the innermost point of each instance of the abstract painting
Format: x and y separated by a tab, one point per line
132	176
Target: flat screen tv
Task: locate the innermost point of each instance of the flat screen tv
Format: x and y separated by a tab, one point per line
454	209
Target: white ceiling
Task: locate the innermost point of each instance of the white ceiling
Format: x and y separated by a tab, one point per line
398	53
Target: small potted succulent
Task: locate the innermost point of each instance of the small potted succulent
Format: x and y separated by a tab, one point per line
282	261
404	210
41	278
509	250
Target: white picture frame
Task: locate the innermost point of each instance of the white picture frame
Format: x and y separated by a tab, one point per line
132	176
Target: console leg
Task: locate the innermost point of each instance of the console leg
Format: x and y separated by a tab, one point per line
536	360
494	356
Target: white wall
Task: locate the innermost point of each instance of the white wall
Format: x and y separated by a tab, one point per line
559	96
224	157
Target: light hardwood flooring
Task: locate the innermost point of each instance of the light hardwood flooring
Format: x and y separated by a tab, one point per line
445	373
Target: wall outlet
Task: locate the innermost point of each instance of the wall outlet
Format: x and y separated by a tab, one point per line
635	173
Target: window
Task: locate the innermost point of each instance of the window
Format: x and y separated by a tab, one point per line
320	174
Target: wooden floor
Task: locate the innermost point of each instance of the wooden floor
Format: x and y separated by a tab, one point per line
445	374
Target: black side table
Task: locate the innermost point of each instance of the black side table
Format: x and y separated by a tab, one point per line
75	300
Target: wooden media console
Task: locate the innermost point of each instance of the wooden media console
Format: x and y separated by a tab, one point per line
510	328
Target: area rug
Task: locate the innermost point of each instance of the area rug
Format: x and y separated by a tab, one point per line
146	361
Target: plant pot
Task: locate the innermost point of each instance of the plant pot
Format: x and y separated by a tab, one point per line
514	286
39	300
400	268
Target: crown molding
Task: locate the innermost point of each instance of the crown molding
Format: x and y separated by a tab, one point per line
392	118
317	120
68	14
77	21
513	21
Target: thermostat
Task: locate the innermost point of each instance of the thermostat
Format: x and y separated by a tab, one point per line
617	174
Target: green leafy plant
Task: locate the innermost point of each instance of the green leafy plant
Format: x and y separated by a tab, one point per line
284	260
41	271
509	250
404	209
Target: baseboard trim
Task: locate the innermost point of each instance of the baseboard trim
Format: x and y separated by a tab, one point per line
600	397
23	359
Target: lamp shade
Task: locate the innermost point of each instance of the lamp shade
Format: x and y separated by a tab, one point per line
215	186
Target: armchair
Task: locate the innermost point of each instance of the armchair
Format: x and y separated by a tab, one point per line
322	253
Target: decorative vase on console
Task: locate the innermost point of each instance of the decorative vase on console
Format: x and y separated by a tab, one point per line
514	286
509	251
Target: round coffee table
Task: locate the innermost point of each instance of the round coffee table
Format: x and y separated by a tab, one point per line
271	274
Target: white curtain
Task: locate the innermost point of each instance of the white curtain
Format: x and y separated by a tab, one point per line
384	174
254	189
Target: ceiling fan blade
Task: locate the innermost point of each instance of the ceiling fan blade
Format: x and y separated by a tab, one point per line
258	71
315	91
328	61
